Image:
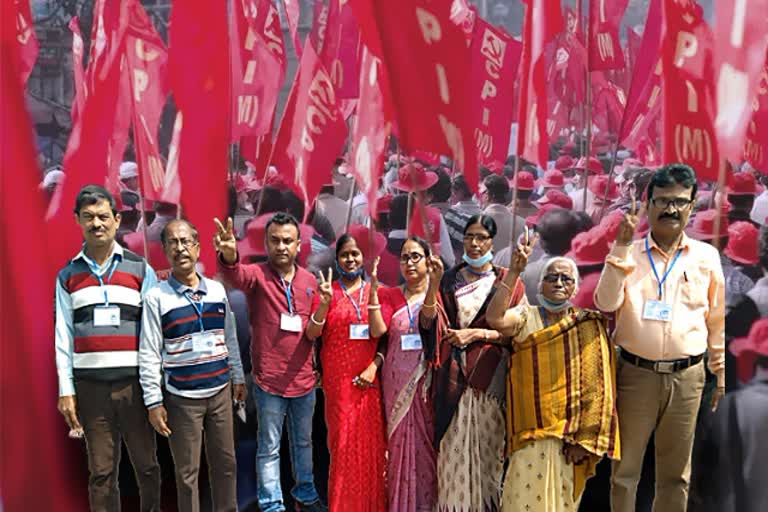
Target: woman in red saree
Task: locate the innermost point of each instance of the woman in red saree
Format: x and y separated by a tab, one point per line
349	359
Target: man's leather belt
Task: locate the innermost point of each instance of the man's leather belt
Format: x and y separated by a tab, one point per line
672	366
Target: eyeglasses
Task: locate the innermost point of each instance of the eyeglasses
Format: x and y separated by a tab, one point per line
663	202
413	257
565	278
477	237
186	243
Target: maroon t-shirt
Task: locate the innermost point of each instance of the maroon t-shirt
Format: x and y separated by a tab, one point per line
282	360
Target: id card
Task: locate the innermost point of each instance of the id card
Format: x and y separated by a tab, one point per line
106	316
203	342
410	342
290	323
657	310
358	332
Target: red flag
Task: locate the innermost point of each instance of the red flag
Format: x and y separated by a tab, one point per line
341	49
740	50
312	131
77	69
319	25
429	56
35	472
292	12
258	67
608	103
26	37
756	145
371	129
688	99
605	50
543	20
199	76
146	58
634	41
495	62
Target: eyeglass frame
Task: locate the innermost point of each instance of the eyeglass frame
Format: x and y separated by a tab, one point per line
481	238
671	201
186	243
565	278
409	258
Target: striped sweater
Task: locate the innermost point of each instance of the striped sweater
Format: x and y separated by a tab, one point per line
87	351
169	353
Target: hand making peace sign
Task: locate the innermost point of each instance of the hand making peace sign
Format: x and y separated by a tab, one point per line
325	290
224	241
628	226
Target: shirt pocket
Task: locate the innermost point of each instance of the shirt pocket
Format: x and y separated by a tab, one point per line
694	292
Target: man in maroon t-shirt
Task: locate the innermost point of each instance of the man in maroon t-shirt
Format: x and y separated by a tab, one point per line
279	299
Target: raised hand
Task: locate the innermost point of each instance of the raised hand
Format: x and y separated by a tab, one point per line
224	241
435	269
325	290
628	226
523	252
375	275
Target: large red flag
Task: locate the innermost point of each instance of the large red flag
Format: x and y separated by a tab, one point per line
146	58
543	21
756	145
428	55
258	67
26	37
77	68
312	131
634	41
688	97
495	62
605	50
341	49
198	68
35	472
292	13
740	49
319	24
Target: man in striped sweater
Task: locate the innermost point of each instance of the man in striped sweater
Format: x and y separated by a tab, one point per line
98	313
189	347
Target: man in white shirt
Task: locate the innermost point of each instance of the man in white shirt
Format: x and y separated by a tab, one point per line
496	197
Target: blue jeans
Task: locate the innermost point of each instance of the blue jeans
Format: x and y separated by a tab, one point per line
271	411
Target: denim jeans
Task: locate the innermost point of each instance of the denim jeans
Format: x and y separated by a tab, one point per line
271	411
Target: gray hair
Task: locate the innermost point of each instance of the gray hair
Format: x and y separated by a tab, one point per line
559	259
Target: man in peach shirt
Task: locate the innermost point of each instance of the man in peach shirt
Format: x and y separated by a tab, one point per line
668	292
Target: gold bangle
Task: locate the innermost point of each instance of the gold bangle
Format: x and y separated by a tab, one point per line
374	306
429	306
312	317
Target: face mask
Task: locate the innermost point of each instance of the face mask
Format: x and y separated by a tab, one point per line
479	262
349	275
553	307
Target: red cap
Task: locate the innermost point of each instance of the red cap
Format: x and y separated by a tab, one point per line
597	185
384	203
742	183
595	166
568	148
591	247
747	349
742	243
361	235
552	179
524	181
534	219
555	197
414	178
563	163
703	225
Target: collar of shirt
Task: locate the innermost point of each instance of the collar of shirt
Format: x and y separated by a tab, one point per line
497	208
685	243
181	289
117	252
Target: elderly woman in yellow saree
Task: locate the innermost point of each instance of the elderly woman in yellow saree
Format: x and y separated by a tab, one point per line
561	409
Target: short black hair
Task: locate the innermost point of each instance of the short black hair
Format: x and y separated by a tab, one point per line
497	187
557	228
271	202
741	202
192	228
441	190
281	219
484	220
673	174
94	194
343	240
398	211
423	243
763	247
461	187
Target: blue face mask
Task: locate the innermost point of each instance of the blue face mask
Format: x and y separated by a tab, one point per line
553	307
349	275
479	262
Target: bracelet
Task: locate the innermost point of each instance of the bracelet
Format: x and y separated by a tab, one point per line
429	306
505	285
374	306
312	317
379	354
485	334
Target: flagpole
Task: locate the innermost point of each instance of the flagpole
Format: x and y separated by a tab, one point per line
349	205
408	215
718	204
512	241
588	145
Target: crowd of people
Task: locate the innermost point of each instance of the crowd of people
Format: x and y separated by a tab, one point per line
489	351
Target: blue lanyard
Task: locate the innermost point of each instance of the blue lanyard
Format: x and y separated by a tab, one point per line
359	301
198	310
287	290
544	316
411	318
94	268
653	266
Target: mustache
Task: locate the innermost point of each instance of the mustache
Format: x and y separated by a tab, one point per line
675	216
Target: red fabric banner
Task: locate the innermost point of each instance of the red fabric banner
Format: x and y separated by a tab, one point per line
26	37
495	63
36	472
756	144
634	41
371	129
77	68
198	69
608	103
312	131
429	55
740	50
543	21
688	97
258	67
146	58
292	12
340	54
605	50
319	25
